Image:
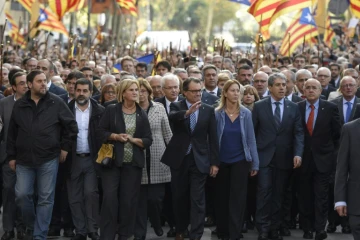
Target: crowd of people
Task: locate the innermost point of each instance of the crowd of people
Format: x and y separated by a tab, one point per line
212	141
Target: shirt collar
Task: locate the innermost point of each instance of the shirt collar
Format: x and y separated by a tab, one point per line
352	100
49	84
316	104
86	110
168	102
214	91
188	104
273	100
289	97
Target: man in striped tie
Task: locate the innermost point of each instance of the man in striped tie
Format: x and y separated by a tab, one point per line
321	125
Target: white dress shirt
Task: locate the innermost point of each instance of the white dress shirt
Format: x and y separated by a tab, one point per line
168	104
48	85
82	119
289	97
213	92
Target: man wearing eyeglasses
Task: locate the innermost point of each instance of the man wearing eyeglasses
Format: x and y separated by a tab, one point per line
261	84
301	77
50	70
324	77
195	143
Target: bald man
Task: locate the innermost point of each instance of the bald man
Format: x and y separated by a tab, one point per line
266	69
261	83
321	124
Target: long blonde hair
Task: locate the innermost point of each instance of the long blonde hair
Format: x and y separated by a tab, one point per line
228	84
123	86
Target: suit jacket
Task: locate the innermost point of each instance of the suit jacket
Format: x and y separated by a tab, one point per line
347	178
322	146
57	90
203	139
355	112
218	94
6	107
65	97
278	146
161	134
332	82
326	92
295	98
208	98
162	100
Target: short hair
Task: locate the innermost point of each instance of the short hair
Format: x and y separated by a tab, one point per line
292	75
346	79
126	58
244	67
74	74
324	68
84	81
335	65
12	72
179	70
275	76
252	90
165	64
123	86
286	59
187	82
104	89
223	77
142	65
303	71
300	56
346	72
31	76
309	66
85	69
245	61
228	60
169	76
52	66
104	77
13	78
146	85
207	67
231	76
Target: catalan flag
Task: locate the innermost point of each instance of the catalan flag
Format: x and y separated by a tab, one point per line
287	6
75	5
129	5
329	33
245	2
263	10
355	8
14	33
302	28
60	7
48	21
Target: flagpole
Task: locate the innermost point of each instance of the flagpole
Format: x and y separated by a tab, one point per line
303	48
89	26
289	44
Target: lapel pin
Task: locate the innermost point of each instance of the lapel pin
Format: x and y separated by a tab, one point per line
322	109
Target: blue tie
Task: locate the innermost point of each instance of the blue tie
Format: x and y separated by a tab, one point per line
277	117
192	127
348	112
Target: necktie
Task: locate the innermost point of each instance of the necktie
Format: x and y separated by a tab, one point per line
310	121
213	93
348	111
277	117
303	97
192	127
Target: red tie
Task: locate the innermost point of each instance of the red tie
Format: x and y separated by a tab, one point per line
310	120
303	96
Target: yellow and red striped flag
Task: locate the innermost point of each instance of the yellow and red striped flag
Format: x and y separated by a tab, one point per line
287	6
129	5
75	5
298	33
14	33
60	7
355	8
263	10
47	19
329	33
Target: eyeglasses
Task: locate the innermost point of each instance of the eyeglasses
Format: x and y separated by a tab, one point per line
110	92
172	88
260	81
348	85
323	76
194	91
42	68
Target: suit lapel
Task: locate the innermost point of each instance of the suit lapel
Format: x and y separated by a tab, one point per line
269	111
302	108
285	113
320	115
341	111
184	106
356	101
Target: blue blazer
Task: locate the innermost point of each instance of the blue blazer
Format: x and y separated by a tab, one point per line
247	134
56	90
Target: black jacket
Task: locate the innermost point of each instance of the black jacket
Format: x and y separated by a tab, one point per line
37	133
113	122
96	112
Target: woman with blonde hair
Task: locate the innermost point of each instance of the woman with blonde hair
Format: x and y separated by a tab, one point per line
155	174
125	125
238	155
250	96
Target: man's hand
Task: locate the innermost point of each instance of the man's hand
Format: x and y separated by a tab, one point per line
12	165
63	155
193	108
341	210
213	171
297	161
253	173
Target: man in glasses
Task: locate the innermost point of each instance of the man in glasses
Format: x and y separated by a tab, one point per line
301	77
50	70
64	74
324	77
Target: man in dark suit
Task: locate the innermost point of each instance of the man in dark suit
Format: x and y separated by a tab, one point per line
290	84
335	70
261	84
347	179
324	76
19	86
321	124
70	85
280	143
196	149
210	77
349	109
50	70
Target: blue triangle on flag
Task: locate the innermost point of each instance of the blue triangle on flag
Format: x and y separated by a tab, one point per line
43	16
306	17
246	2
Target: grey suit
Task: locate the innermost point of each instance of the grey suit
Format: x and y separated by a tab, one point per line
347	178
355	109
9	176
276	149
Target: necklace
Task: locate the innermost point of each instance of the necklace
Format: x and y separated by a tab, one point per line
231	114
129	108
